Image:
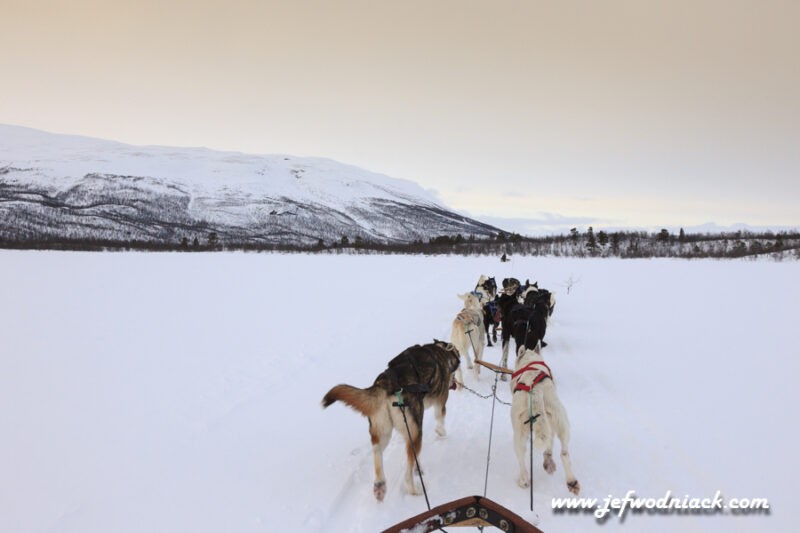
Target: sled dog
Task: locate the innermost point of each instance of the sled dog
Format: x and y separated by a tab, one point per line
486	289
534	395
468	332
422	375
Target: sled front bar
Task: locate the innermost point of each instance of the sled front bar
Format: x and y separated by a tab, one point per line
467	512
495	368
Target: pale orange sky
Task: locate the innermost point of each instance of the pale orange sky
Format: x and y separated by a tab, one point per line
619	112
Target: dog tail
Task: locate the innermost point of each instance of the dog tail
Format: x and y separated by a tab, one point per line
365	401
459	337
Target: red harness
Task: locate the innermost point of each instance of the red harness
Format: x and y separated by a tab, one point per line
538	379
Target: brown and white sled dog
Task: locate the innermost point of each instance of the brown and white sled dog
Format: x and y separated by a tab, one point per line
423	374
533	380
468	332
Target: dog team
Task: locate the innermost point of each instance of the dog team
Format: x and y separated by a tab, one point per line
423	375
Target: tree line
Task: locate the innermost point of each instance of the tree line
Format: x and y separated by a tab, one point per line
586	243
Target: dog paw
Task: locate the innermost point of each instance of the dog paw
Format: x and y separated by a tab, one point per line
503	377
414	490
441	432
574	487
524	482
379	489
549	465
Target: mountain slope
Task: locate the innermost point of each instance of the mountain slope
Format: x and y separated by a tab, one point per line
60	186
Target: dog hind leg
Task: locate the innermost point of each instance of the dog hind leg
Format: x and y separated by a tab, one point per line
477	338
413	437
549	465
544	428
520	444
460	339
562	426
457	339
572	484
413	447
380	432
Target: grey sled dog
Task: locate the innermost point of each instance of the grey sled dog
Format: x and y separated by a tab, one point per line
533	381
424	374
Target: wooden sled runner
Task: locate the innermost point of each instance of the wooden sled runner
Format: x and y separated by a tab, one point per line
471	511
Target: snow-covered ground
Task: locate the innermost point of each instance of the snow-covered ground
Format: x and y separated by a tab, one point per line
181	392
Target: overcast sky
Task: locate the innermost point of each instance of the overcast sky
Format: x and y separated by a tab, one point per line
611	113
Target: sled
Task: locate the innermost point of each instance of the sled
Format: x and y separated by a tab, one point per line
471	511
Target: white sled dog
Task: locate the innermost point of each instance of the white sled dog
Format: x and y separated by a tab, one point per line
533	381
468	332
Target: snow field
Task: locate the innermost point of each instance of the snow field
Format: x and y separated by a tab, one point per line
180	392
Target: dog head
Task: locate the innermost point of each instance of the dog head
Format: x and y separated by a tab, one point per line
490	285
510	282
471	300
510	285
525	356
529	290
455	358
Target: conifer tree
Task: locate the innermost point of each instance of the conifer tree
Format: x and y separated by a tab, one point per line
591	242
602	237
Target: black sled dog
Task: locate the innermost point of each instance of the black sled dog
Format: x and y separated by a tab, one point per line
422	375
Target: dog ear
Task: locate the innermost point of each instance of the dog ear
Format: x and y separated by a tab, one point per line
521	351
538	348
442	344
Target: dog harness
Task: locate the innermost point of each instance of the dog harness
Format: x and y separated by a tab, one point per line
544	374
469	319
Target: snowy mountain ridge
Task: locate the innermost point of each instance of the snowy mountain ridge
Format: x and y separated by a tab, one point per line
56	186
